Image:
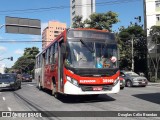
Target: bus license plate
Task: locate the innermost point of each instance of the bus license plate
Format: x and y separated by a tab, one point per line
97	88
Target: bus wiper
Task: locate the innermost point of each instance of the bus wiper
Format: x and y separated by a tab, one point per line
89	48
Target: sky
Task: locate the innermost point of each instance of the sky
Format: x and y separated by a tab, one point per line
57	10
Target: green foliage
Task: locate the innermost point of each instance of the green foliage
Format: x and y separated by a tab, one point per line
77	23
7	70
155	59
26	62
155	33
102	21
99	21
125	37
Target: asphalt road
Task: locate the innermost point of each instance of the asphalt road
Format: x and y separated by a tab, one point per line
29	98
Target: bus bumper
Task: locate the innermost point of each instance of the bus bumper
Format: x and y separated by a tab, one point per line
71	89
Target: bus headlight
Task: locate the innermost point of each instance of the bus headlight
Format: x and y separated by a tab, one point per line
69	79
73	81
115	82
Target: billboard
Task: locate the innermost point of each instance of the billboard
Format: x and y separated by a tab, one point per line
22	26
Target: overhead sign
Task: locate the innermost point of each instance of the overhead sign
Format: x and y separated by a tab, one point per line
22	26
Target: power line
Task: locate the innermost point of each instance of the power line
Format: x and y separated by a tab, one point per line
2	39
63	7
10	41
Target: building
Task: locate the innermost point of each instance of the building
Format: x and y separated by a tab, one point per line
53	29
151	18
152	13
82	8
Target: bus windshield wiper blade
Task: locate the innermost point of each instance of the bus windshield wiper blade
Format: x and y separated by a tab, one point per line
90	49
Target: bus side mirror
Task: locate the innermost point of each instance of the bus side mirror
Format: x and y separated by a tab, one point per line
63	48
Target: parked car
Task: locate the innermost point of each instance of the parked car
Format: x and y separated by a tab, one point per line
133	79
122	82
26	77
9	81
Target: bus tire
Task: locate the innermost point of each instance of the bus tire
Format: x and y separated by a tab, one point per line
129	83
54	91
56	95
39	84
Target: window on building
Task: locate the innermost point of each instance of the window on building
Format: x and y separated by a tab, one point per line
55	35
73	13
158	17
73	1
73	7
56	32
157	2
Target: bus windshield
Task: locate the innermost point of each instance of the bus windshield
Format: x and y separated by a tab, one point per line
89	54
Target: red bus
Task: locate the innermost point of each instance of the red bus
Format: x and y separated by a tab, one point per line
79	62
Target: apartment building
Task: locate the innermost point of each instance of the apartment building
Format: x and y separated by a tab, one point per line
82	8
53	29
152	17
152	13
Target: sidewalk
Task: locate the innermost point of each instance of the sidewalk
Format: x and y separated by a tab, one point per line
153	84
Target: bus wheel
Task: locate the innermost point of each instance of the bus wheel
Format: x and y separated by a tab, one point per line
39	85
54	90
56	95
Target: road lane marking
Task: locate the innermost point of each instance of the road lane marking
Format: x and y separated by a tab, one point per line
9	109
4	98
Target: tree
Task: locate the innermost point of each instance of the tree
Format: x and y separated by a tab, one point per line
102	21
133	32
99	21
77	22
153	52
26	62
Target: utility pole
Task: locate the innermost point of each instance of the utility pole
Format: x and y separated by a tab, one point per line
132	53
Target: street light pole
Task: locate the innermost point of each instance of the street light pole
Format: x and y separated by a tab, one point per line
11	58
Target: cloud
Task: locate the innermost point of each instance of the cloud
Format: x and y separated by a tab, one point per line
19	52
2	48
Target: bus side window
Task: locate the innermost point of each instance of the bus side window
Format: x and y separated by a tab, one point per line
53	60
40	61
68	56
44	58
56	51
49	56
36	66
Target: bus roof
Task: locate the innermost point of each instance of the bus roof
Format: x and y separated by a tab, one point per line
90	29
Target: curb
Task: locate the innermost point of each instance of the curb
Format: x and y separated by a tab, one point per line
154	84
